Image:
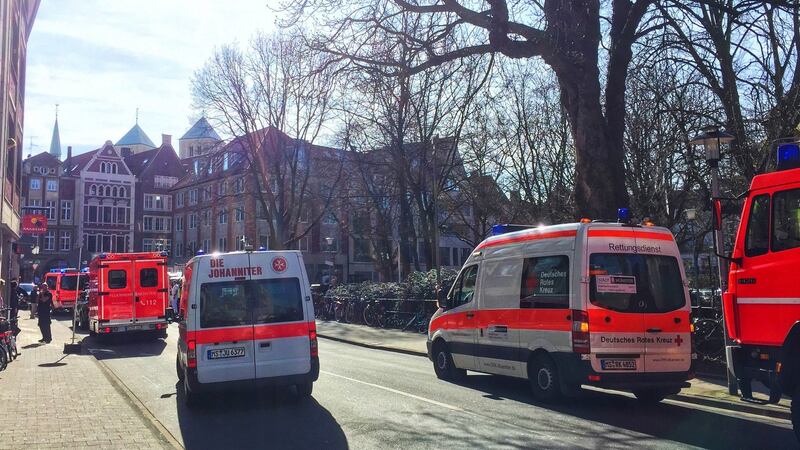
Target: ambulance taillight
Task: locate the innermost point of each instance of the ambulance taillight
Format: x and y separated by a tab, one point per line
580	331
312	337
191	354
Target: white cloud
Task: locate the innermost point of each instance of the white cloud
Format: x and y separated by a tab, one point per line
100	60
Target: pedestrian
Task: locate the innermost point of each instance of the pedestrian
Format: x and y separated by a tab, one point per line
45	307
33	299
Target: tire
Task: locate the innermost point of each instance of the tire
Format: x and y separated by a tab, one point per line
350	313
370	316
544	379
305	389
3	358
443	363
190	399
339	313
649	396
179	369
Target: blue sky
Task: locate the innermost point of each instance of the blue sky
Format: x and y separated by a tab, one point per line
100	60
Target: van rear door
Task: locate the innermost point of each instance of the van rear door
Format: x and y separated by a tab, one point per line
666	315
116	291
150	289
278	289
616	322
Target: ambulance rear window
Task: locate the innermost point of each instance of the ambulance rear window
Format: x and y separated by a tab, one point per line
628	282
277	300
224	304
69	282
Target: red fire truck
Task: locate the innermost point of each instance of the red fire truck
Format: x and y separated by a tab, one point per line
762	303
128	292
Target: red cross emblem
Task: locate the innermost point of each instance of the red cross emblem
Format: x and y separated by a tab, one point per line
678	340
279	264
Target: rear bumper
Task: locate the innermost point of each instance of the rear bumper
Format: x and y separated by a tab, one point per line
196	386
575	371
111	328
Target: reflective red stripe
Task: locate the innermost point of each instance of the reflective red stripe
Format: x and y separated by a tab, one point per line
630	234
526	237
517	319
248	333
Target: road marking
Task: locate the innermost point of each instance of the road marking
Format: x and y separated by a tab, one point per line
395	391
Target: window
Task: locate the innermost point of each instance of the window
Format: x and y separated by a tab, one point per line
224	304
107	215
192	221
164	182
463	289
50	212
361	251
193	196
236	303
52	185
223	244
107	191
191	248
206	245
637	283
179	223
66	241
222	188
93	189
756	241
91	243
91	213
148	277
122	214
329	218
114	192
50	240
276	300
117	279
180	199
207	193
305	216
179	249
239	214
157	202
785	220
36	184
545	282
204	216
66	210
303	243
223	216
240	242
238	186
123	192
156	223
121	244
225	162
103	167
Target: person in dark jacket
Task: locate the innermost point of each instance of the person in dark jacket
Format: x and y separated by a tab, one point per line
45	306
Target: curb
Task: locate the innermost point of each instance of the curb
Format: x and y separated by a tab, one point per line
687	398
373	346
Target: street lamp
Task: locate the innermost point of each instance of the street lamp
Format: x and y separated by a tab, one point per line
712	138
332	263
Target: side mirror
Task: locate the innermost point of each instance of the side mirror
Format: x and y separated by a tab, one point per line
441	299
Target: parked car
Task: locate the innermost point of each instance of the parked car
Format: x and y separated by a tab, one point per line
24	292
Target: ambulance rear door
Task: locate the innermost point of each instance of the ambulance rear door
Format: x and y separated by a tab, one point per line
660	282
223	318
279	292
150	290
616	320
116	291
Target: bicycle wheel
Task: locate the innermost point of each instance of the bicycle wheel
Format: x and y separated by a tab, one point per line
340	313
350	313
709	340
369	315
3	357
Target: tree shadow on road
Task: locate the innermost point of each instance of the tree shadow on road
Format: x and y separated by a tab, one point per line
270	418
123	346
678	423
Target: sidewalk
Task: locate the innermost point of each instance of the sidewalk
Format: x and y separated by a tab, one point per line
53	400
706	391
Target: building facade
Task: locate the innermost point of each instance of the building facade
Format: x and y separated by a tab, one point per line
16	22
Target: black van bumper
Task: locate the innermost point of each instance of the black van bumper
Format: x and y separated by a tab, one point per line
287	380
575	371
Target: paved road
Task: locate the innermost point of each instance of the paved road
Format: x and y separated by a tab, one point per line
370	399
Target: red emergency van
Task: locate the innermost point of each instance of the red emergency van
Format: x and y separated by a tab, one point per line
762	303
65	285
128	292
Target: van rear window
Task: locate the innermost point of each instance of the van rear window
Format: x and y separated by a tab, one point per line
69	282
638	283
237	303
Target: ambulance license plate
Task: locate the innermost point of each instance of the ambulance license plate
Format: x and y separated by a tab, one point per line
235	352
618	364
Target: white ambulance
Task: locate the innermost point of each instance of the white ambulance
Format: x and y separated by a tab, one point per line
588	303
246	320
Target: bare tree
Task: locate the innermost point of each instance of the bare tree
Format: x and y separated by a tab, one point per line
566	35
274	99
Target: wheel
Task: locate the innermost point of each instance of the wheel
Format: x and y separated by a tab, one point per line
796	413
340	313
543	377
649	396
179	369
350	313
3	358
305	389
190	399
369	315
443	363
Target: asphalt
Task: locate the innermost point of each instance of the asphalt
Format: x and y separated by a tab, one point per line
368	398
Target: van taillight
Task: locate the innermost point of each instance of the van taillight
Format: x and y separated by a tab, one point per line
191	354
580	331
312	337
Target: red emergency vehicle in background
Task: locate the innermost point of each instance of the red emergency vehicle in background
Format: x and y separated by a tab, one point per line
65	285
128	292
762	303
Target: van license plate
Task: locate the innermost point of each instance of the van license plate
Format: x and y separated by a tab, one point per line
235	352
618	364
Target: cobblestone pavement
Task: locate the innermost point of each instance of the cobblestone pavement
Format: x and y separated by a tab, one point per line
53	400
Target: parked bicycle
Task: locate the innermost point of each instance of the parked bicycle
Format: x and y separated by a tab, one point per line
8	339
374	314
709	336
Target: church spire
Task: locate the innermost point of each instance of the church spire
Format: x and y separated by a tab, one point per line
55	142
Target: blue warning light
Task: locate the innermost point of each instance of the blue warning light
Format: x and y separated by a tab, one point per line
623	214
788	156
